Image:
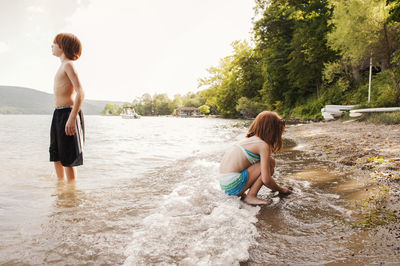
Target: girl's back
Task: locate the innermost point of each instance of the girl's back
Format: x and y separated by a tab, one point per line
241	155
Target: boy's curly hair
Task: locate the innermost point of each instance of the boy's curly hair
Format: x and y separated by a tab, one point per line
70	45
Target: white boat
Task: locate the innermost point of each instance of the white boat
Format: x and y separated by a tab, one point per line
359	112
330	112
129	114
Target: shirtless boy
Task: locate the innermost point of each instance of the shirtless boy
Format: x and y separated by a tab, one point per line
65	142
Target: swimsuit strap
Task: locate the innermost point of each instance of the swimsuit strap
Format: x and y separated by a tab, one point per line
251	142
251	156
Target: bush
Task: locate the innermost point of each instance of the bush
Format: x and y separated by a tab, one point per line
392	118
204	109
337	92
382	91
249	107
310	109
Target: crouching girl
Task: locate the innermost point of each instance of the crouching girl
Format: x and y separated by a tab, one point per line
248	164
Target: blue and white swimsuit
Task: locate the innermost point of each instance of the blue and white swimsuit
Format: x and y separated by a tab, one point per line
233	183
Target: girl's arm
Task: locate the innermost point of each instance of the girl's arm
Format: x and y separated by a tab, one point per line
269	182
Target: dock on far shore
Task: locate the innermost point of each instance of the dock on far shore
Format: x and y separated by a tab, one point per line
359	112
330	112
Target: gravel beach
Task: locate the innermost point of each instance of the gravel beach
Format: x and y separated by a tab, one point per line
367	151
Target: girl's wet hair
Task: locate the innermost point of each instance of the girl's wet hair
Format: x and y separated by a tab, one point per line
70	45
269	127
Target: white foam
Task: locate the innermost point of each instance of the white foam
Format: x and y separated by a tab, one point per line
303	183
205	163
196	224
299	147
339	209
328	195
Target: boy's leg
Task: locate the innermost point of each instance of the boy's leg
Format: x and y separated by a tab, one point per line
59	169
71	173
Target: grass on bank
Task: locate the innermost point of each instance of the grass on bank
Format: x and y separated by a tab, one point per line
373	211
392	118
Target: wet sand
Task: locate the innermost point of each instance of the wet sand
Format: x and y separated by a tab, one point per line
370	153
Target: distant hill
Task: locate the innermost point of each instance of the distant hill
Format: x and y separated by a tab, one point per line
19	100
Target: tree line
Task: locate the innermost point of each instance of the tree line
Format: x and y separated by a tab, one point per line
303	55
159	104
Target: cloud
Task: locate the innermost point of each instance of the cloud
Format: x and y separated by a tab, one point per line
129	47
3	47
155	46
35	9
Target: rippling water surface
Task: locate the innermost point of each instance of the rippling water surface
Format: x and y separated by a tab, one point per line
148	194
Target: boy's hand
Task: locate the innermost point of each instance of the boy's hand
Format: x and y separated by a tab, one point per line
70	127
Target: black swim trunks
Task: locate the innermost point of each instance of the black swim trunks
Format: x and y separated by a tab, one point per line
63	148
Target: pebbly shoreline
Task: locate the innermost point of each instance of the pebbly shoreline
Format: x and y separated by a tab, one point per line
367	151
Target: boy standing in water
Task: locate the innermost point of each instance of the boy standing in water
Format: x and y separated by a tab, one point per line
65	142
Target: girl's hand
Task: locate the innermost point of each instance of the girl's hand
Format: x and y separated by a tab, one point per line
286	191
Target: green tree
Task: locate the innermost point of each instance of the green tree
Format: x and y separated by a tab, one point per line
273	34
176	103
204	109
394	11
128	106
213	83
111	109
161	104
192	100
362	30
236	76
310	51
138	106
303	49
246	68
291	39
209	96
147	103
228	92
249	108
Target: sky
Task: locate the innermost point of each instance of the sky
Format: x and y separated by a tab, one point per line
130	47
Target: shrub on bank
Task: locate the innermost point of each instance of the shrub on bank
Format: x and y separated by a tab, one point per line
382	91
310	109
382	118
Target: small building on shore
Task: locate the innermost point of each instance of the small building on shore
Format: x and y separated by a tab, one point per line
187	111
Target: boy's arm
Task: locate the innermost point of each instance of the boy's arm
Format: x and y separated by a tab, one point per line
266	177
70	127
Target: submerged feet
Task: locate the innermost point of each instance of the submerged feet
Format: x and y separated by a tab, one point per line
254	200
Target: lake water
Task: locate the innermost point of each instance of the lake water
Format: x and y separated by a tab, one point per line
148	193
